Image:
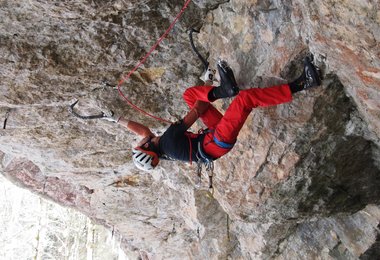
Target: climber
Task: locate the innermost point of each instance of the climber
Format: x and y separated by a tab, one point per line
178	144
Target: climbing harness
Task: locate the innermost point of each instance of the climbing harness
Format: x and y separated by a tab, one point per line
97	116
205	160
144	59
202	159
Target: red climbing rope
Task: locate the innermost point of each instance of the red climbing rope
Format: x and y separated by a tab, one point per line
144	59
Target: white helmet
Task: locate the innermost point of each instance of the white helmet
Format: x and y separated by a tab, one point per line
143	159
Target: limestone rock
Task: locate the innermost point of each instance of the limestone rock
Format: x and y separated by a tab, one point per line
302	175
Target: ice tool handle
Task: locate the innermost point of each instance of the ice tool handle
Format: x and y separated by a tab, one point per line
203	60
97	116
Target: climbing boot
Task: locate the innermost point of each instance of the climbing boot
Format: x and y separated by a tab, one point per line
228	86
309	78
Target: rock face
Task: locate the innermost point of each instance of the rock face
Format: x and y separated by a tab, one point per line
38	228
303	178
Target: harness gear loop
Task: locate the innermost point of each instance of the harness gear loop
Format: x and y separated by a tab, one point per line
144	59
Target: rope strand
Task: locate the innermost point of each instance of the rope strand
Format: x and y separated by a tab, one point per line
163	36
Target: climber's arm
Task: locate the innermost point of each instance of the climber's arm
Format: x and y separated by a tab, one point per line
199	108
135	127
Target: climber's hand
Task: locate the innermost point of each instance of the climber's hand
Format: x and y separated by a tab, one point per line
178	122
110	116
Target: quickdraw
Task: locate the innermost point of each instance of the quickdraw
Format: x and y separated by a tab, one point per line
210	171
203	159
97	116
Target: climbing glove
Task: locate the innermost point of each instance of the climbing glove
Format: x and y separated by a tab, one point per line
110	116
209	77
